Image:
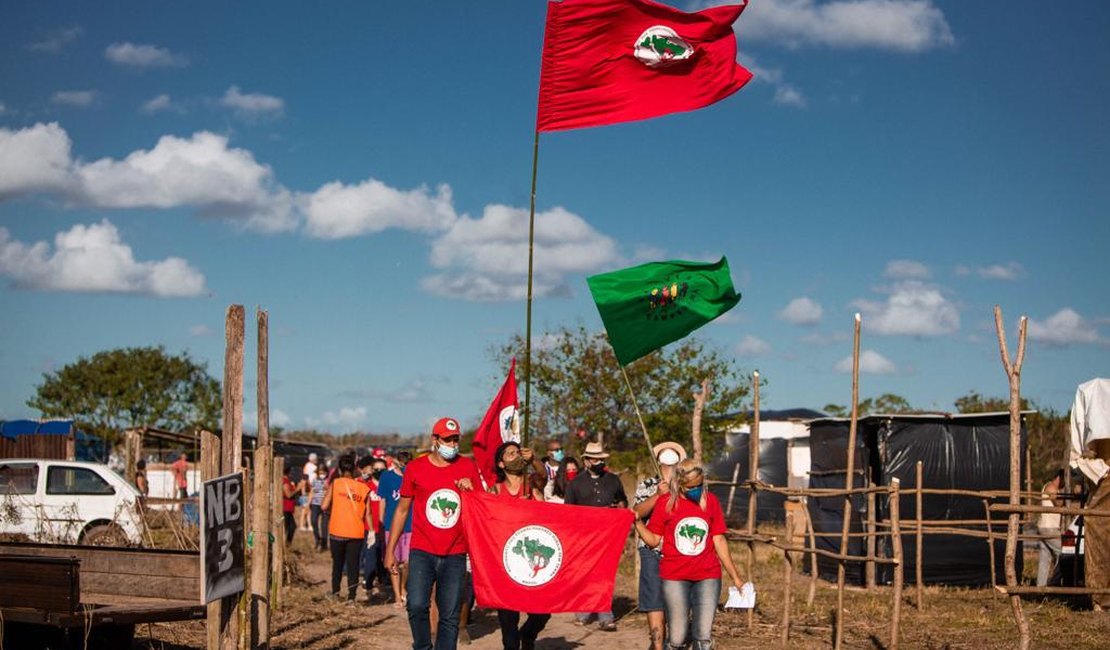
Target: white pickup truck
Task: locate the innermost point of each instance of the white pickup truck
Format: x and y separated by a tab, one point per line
68	502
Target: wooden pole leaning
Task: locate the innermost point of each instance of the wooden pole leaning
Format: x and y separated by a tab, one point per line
262	506
753	478
528	318
990	541
896	550
732	489
1013	373
920	539
640	419
838	639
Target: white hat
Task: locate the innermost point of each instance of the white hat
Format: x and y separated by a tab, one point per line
312	457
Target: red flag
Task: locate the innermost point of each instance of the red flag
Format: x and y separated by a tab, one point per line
543	558
500	425
610	61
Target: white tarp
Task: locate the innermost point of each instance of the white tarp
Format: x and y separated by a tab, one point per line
1090	421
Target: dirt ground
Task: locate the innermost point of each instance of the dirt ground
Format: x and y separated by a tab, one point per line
951	619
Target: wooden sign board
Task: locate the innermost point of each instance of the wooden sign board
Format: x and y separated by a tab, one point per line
222	522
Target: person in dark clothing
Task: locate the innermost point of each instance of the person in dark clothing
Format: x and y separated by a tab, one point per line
288	504
598	488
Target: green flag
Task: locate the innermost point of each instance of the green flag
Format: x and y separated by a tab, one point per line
648	306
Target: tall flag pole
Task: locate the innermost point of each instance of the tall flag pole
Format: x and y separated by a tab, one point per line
612	61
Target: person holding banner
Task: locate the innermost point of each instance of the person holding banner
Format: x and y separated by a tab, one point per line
511	464
432	484
347	526
648	494
690	526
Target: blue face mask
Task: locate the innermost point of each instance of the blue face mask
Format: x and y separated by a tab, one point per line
557	455
694	493
448	451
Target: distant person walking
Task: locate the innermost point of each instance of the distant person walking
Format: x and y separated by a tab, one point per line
141	483
690	526
316	490
180	469
596	487
346	498
430	489
288	504
1048	529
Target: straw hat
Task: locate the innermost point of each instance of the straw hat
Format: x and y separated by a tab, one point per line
594	450
673	446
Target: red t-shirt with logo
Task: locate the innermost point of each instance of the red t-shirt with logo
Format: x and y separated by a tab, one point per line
688	532
436	503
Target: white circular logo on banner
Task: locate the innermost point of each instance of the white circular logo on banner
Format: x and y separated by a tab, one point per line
690	535
510	424
532	556
660	46
442	509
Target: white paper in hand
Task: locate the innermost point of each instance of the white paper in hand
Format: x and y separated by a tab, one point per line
743	598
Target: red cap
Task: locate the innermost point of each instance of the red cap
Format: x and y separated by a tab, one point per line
446	427
378	453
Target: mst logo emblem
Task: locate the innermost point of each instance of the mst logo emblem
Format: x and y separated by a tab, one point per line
509	421
661	46
442	509
532	556
690	534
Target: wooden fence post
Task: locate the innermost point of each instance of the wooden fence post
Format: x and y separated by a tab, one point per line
812	593
276	494
753	478
871	529
788	582
732	489
1013	373
260	512
896	548
210	469
918	554
838	637
990	541
231	449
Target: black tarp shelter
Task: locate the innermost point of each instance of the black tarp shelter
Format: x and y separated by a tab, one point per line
966	452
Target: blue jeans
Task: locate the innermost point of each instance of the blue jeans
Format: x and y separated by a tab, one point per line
651	585
368	563
691	601
448	574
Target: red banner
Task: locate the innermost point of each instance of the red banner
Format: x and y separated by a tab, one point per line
500	425
543	558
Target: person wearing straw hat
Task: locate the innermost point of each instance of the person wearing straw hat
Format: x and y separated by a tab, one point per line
648	493
596	487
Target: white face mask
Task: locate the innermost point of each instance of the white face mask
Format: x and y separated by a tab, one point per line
448	452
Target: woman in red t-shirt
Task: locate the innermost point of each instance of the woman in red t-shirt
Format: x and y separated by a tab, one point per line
511	463
691	528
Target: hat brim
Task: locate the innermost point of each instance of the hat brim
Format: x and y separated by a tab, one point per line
600	455
673	446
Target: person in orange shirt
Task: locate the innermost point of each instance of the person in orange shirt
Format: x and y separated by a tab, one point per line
347	526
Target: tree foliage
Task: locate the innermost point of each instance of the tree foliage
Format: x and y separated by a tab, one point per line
131	387
888	403
577	387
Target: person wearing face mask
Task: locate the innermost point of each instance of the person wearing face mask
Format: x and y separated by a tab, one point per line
347	526
316	490
389	489
689	525
556	490
553	459
511	464
647	496
430	490
370	470
596	487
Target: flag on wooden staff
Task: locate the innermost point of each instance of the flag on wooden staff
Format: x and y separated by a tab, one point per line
610	61
648	306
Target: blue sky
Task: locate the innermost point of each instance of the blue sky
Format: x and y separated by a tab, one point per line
361	170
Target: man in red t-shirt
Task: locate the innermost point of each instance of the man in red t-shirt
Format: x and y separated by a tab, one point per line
430	489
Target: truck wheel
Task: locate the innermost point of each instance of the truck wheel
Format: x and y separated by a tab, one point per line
104	535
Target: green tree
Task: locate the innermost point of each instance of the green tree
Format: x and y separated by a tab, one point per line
577	386
131	387
886	403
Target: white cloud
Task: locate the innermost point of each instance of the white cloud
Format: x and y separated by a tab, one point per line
158	104
57	40
200	330
486	259
896	25
346	418
252	104
906	270
1008	271
751	346
801	311
77	98
912	309
1063	328
34	159
142	57
788	95
416	391
870	362
278	418
337	210
93	258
